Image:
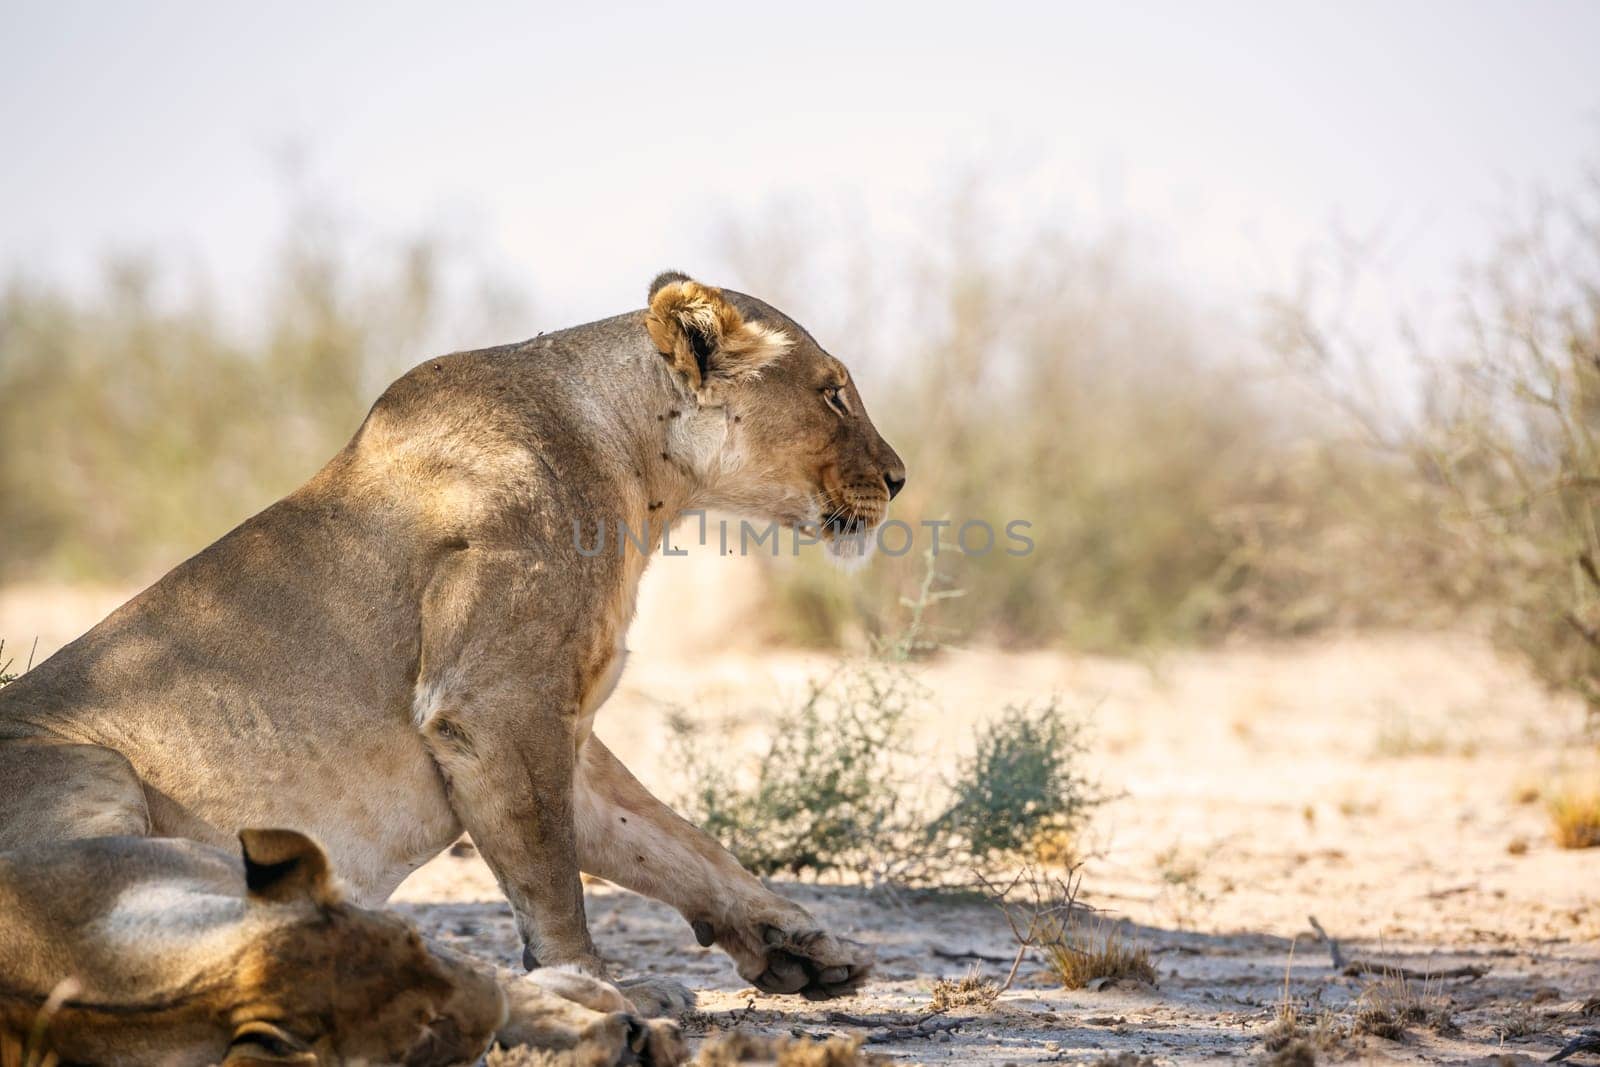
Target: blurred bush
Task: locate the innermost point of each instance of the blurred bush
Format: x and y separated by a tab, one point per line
1178	486
1175	491
1506	445
138	422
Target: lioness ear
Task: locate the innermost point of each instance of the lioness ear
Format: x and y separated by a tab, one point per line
285	865
704	337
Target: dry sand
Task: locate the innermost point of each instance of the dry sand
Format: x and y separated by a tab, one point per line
1385	784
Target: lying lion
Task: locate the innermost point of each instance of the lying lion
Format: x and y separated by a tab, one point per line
140	951
416	642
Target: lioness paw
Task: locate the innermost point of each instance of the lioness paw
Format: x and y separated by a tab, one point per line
797	958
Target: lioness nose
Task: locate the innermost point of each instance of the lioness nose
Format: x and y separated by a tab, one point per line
896	481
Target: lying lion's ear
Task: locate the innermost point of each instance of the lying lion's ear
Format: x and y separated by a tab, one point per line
285	865
704	337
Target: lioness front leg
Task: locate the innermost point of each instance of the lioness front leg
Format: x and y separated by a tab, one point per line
515	798
627	836
505	739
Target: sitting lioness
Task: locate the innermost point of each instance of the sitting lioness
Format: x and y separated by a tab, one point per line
118	950
416	642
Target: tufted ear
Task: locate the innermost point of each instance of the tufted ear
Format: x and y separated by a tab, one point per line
704	337
285	865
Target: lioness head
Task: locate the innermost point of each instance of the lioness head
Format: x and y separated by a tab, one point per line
779	430
326	982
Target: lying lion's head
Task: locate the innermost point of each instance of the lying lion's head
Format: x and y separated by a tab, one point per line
327	982
122	950
782	431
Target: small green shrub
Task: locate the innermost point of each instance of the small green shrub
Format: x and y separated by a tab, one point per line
826	794
832	793
1019	785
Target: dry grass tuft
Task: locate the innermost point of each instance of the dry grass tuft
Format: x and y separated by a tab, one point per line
971	990
1575	818
1521	1021
1299	1031
1080	956
1391	1007
736	1048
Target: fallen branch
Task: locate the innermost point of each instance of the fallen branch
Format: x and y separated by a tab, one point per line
1356	968
1587	1041
953	954
926	1028
846	1019
1440	894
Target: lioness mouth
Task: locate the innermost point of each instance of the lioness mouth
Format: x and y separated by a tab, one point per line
845	525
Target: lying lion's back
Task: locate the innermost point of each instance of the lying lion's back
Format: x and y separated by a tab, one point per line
111	911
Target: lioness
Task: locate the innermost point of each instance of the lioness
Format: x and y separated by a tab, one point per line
416	641
126	950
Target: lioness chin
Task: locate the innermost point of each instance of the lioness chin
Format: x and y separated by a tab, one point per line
415	643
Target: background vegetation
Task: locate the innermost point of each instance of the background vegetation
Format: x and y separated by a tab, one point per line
140	420
1183	479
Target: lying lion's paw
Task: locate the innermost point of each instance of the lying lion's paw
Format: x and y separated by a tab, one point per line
620	1039
804	960
561	1012
593	993
653	997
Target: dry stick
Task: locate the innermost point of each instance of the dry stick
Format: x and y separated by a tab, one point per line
844	1018
878	1033
905	1033
952	954
1333	946
1053	901
1356	968
1586	1041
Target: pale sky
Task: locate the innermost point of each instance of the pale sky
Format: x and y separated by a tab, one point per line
583	150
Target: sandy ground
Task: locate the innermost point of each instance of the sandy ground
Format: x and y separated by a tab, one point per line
1385	784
